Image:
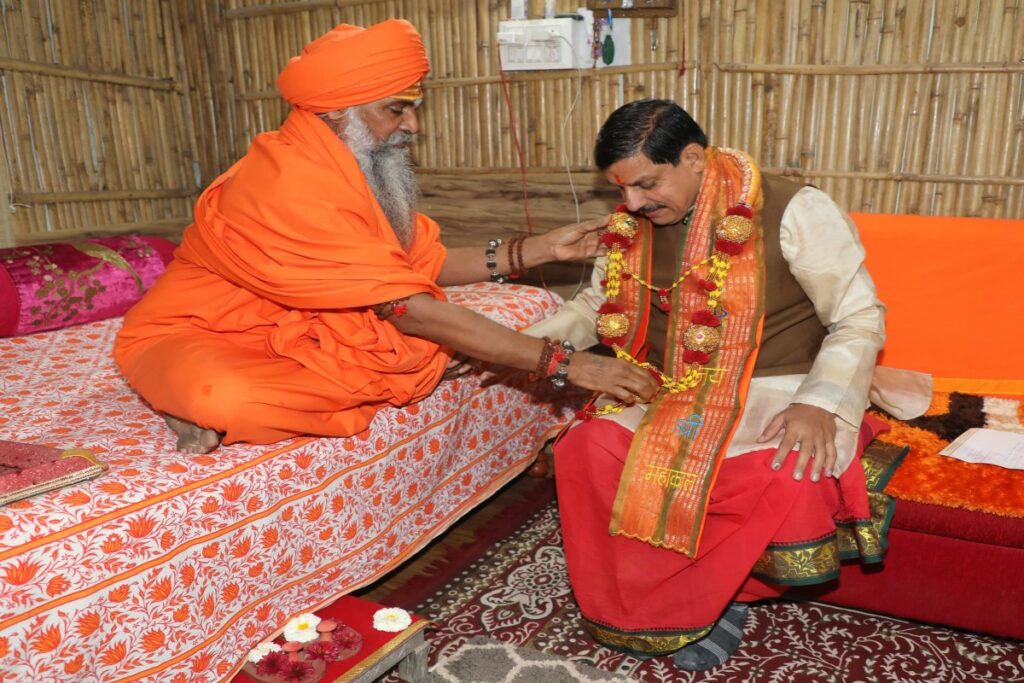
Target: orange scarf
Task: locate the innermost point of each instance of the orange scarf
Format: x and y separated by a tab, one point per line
678	447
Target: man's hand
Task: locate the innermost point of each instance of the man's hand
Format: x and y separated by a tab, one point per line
621	379
814	429
576	242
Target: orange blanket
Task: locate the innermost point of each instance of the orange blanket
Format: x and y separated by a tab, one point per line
260	328
925	476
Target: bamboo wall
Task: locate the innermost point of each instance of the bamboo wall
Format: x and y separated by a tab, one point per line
116	113
96	137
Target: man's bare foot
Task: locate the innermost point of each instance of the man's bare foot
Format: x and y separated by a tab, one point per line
193	438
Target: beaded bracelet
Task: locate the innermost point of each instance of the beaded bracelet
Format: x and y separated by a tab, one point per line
515	249
492	264
560	376
550	347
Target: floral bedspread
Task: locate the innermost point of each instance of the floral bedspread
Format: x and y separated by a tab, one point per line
170	567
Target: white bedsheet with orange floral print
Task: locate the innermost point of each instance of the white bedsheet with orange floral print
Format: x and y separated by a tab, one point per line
171	567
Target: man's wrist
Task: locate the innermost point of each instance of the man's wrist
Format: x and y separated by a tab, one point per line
537	250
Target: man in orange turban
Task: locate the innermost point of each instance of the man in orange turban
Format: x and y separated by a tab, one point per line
308	292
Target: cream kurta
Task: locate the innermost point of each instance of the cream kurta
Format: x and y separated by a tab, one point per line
820	244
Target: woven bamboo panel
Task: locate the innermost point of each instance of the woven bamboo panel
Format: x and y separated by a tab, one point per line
891	106
94	129
115	114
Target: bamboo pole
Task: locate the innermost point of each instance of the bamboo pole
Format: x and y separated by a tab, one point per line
97	196
870	69
161	226
511	76
6	206
9	64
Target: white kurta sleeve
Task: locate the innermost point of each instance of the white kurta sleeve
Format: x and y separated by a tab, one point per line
820	244
576	320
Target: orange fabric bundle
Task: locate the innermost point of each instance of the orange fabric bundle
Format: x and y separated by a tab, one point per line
261	327
952	288
350	65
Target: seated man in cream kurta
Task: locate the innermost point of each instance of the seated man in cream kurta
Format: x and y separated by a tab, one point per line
748	295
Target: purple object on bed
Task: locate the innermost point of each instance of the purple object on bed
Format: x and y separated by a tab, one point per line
50	286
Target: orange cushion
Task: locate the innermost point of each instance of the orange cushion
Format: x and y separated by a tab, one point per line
953	287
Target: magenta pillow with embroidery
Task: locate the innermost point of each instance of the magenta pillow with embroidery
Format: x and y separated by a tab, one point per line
49	286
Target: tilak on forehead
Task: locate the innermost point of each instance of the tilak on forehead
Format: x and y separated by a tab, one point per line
350	65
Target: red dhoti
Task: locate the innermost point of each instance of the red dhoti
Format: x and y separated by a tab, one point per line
764	531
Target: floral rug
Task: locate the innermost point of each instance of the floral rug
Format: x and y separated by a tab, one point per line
517	592
482	659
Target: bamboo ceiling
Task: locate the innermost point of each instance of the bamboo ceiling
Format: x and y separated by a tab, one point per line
116	114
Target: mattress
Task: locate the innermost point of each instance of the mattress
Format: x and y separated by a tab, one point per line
171	567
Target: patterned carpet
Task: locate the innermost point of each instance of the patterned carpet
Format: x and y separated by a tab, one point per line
517	592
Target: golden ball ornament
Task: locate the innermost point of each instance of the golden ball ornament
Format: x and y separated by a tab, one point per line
702	338
612	325
623	224
735	228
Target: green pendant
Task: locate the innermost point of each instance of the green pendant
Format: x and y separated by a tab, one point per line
608	50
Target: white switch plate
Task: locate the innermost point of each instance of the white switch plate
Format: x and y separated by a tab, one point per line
534	44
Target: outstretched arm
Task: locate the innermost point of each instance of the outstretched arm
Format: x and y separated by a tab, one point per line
479	337
575	242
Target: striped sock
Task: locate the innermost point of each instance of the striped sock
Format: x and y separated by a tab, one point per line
713	649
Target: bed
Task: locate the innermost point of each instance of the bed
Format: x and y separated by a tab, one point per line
170	567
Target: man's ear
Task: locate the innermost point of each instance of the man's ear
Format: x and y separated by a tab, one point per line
693	157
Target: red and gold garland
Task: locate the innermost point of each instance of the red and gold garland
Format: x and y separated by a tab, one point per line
702	336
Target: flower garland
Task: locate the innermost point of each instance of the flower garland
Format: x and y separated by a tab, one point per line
703	335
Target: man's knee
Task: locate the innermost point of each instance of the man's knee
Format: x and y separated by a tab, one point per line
218	399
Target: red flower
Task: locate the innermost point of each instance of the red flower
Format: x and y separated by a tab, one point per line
611	239
627	276
696	357
664	307
613	341
604	283
663	292
728	247
272	664
610	307
321	649
296	671
707	285
705	317
584	415
621	208
740	210
347	638
399	310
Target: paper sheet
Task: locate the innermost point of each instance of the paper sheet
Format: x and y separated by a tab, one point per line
989	447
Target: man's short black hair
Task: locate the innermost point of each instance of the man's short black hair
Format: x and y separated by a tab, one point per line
660	129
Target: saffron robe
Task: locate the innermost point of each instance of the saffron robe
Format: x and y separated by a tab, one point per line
261	327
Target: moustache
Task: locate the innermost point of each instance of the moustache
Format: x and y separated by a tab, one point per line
400	138
650	208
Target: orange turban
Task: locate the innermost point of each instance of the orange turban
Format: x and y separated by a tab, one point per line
350	65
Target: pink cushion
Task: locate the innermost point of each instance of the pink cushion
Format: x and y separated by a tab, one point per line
50	286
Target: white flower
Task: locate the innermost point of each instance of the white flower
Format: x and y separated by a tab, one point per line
391	619
262	650
302	628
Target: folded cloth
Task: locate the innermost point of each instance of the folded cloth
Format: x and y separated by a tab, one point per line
28	469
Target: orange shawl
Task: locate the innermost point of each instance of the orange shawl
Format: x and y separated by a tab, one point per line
679	445
288	250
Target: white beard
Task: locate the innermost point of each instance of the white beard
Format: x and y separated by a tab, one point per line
389	171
